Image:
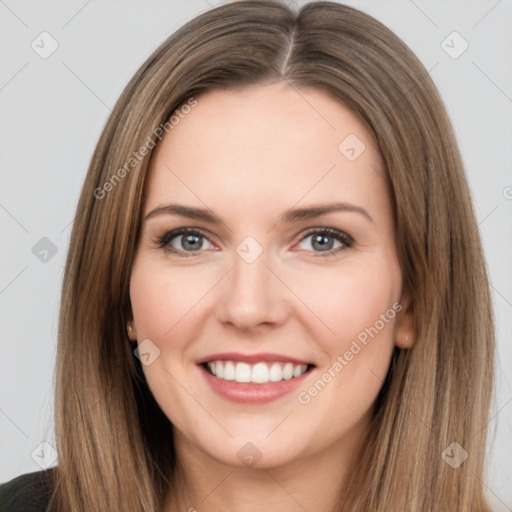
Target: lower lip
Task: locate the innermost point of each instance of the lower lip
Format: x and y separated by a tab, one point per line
249	393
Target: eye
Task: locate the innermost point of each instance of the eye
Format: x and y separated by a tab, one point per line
189	242
326	240
184	240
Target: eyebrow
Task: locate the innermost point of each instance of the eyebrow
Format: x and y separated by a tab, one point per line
289	216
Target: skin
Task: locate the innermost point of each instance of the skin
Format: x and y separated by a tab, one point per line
248	155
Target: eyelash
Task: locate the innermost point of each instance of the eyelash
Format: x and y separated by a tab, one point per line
163	242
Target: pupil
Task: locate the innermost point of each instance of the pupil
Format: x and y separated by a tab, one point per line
189	241
323	241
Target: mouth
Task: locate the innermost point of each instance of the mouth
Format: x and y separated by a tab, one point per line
259	373
254	379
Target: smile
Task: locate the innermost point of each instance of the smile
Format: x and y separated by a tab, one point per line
259	373
255	378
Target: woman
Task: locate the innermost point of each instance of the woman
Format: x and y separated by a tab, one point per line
275	295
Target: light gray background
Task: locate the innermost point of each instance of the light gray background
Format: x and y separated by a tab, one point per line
52	113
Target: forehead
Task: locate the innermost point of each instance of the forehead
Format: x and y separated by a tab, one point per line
265	145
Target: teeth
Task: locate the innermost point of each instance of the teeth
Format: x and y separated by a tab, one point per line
219	370
229	371
297	371
259	373
288	371
276	373
242	372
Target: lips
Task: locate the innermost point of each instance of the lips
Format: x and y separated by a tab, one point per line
253	378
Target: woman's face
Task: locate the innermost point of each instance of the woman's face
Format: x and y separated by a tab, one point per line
287	284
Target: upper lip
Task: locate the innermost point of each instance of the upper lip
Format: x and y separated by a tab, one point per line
252	358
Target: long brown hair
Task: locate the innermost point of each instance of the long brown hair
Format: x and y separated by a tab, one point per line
115	446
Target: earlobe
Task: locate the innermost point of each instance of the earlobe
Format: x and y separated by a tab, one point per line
404	341
132	334
404	328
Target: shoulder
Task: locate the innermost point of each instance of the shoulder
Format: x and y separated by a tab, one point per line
30	492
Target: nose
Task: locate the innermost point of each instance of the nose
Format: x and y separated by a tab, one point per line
251	296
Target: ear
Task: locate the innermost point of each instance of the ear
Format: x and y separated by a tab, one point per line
405	335
131	330
130	327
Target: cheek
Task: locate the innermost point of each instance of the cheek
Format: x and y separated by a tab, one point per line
161	299
349	299
163	306
357	304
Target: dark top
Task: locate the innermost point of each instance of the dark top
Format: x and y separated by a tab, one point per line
30	492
